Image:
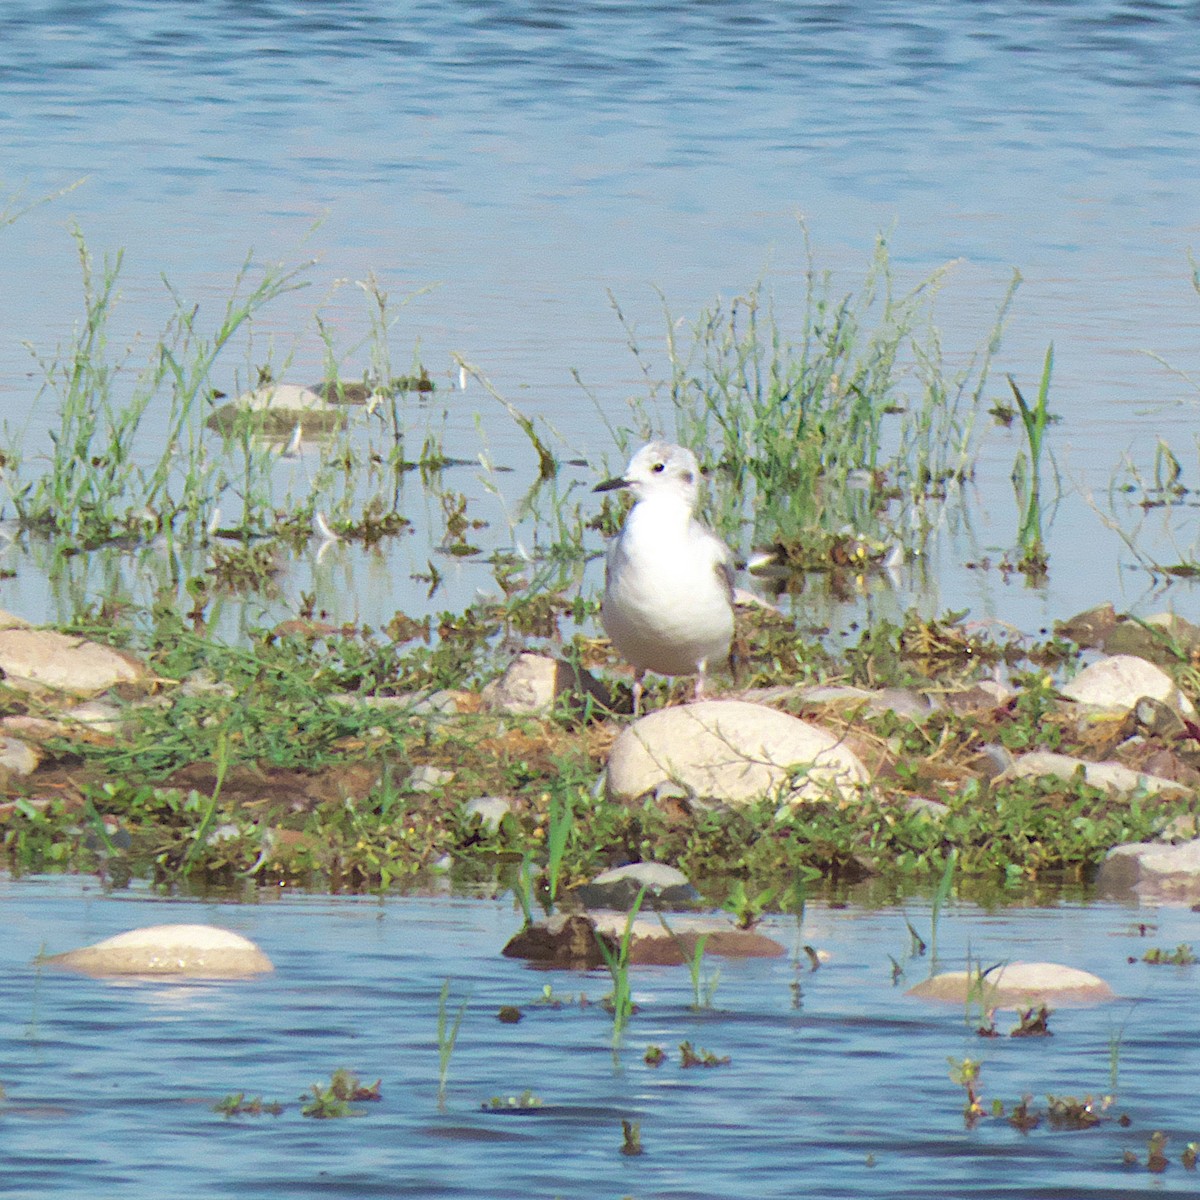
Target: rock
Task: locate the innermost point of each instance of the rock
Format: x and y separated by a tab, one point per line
12	621
428	778
651	944
666	888
904	702
1016	985
18	757
491	810
193	951
1152	871
1112	776
535	683
96	715
1159	719
992	759
572	941
1088	629
560	941
733	752
1116	685
982	696
1159	639
42	657
933	810
275	409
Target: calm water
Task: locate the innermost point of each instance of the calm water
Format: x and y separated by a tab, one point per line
523	159
109	1085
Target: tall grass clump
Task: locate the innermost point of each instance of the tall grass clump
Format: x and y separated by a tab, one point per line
1027	468
100	480
854	420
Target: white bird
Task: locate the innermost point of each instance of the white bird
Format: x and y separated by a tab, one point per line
668	581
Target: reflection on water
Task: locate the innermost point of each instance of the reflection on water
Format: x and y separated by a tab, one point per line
526	159
109	1086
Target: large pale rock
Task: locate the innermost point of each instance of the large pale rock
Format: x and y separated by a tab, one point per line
1016	985
42	657
1117	683
733	752
535	683
1112	776
1152	871
194	951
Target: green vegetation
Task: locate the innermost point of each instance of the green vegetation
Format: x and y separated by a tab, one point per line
447	1036
852	420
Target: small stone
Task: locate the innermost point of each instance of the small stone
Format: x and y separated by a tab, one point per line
1016	985
535	683
491	810
982	696
922	806
666	888
1116	685
1088	629
428	778
96	715
653	945
1112	776
193	951
18	757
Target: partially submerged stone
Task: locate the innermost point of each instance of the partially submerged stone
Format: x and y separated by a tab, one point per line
1112	776
1016	985
573	940
535	683
666	887
1161	638
1116	684
1152	871
733	752
903	702
275	409
652	944
188	951
45	658
1088	629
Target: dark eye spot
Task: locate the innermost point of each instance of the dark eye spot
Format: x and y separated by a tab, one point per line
659	468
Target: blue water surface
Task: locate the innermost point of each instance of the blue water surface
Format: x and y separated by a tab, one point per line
842	1089
526	160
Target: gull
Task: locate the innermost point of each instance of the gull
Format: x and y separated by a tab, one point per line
668	580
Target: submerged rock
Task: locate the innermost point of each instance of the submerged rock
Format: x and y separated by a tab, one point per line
732	752
1016	985
192	951
666	888
1112	776
44	658
1152	871
535	683
1116	684
275	409
574	940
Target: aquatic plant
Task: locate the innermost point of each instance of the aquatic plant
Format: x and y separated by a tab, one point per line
1027	469
631	1138
236	1105
561	820
851	421
965	1073
1181	956
617	962
447	1036
689	1056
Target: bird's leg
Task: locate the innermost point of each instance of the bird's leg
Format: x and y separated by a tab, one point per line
700	673
638	676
